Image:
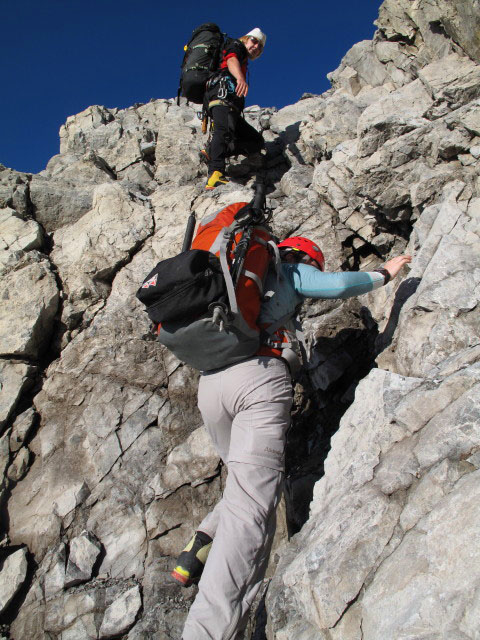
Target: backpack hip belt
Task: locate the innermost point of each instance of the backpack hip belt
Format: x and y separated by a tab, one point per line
222	103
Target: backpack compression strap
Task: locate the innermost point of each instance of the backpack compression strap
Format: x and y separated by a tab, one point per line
232	298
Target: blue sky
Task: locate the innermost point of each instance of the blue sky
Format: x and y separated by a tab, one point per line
60	56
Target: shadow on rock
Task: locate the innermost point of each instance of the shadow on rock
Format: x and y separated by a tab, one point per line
321	401
319	405
403	293
268	167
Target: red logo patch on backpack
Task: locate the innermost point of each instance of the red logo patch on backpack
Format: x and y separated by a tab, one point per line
151	282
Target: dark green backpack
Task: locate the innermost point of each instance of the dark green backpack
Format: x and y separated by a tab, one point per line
201	60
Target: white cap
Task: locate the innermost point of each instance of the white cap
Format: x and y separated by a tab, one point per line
259	35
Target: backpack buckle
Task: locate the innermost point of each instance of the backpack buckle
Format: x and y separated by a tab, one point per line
219	315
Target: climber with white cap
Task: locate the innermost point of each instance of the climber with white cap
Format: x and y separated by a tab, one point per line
225	101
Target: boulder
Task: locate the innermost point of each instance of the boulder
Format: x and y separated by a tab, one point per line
438	27
56	203
84	551
12	576
19	465
454	79
101	241
121	614
14	190
18	234
15	379
370	64
192	462
398	113
22	428
30	295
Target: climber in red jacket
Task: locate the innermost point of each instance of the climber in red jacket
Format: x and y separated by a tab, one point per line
225	101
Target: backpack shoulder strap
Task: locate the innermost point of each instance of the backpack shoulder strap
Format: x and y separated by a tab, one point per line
226	235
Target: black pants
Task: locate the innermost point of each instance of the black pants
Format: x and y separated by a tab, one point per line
232	136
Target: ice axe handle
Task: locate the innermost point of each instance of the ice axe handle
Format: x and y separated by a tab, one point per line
259	198
187	240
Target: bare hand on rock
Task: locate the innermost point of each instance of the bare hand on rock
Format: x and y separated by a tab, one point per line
394	265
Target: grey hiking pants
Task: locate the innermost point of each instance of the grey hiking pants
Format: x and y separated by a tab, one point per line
246	409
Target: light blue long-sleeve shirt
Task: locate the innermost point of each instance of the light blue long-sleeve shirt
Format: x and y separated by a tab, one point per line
302	281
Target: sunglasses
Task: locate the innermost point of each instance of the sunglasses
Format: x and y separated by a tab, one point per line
255	41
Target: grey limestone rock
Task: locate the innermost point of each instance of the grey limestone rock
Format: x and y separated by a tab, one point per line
18	234
121	614
431	559
333	122
22	427
90	123
14	190
30	336
436	27
410	495
12	576
381	517
4	453
83	553
372	64
19	464
453	80
15	379
441	305
397	113
296	178
64	191
191	462
52	569
52	203
286	124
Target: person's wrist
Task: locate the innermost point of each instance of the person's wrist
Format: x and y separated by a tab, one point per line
385	274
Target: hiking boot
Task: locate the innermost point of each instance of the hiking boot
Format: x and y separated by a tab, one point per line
191	561
257	160
216	179
204	156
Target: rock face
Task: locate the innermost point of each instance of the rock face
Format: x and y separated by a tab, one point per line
105	465
12	576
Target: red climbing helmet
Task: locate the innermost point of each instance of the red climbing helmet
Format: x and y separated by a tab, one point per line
305	245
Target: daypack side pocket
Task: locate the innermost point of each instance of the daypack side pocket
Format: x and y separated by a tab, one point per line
183	287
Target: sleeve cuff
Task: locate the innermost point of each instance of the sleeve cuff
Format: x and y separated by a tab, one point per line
385	274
